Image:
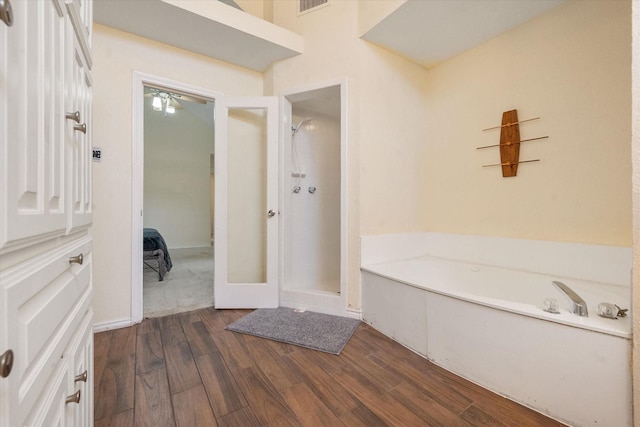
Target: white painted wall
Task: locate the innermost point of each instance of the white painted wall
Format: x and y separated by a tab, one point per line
177	177
116	56
572	68
314	218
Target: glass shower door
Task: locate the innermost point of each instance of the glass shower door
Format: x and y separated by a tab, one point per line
246	202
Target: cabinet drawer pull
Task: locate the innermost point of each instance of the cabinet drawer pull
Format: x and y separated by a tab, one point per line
82	377
75	116
82	127
6	13
6	363
76	259
74	398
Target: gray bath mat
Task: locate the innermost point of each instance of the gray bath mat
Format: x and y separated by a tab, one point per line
316	331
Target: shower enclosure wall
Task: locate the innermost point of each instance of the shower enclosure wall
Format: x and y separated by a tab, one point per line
313	183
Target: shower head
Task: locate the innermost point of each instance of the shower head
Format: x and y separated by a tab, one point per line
296	128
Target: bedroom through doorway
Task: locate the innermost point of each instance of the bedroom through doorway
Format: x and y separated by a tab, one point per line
178	202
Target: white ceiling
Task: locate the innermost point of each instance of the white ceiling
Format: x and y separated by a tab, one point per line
431	31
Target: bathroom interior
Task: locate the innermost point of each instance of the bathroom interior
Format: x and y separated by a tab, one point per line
412	139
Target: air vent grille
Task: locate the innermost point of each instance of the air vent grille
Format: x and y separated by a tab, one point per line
309	5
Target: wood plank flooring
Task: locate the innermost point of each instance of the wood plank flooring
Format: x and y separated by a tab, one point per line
186	370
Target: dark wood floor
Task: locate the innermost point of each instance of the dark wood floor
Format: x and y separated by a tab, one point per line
186	370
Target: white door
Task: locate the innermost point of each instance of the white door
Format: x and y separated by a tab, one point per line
246	202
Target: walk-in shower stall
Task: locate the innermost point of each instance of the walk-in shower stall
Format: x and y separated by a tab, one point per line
313	201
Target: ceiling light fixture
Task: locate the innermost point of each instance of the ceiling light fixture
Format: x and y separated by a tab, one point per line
157	103
162	102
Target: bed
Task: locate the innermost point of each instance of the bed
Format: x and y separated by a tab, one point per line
155	248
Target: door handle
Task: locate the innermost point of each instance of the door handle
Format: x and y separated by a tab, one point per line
79	259
75	116
271	213
74	398
82	127
82	377
6	363
6	13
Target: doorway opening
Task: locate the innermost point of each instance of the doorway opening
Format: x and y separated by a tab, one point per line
172	197
177	226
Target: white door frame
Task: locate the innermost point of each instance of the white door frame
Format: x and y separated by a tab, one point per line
140	80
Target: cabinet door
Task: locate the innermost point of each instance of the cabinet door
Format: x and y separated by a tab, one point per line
51	410
81	14
32	184
47	297
80	354
79	145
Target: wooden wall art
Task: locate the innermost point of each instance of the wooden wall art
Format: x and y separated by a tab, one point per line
510	143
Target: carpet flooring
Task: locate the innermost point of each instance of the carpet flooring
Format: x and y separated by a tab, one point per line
188	286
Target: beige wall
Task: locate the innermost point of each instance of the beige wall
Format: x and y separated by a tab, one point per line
571	67
253	7
116	56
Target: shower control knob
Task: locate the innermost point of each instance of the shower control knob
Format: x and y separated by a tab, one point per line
271	213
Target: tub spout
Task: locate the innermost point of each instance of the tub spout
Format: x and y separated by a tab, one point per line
578	306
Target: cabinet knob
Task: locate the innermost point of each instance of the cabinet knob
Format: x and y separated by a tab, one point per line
82	377
82	127
6	13
76	259
6	363
75	116
74	398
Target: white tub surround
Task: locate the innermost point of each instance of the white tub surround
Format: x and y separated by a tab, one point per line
473	305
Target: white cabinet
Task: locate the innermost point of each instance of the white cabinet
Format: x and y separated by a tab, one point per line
33	99
79	140
46	314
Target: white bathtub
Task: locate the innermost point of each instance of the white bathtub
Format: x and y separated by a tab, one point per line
473	305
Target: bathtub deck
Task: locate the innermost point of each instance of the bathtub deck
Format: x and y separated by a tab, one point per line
187	370
512	290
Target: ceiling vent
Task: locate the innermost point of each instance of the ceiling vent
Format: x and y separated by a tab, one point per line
306	6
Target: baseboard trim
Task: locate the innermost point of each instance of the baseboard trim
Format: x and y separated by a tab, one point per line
116	324
354	313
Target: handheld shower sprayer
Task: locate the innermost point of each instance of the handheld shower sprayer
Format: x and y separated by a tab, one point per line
296	128
298	172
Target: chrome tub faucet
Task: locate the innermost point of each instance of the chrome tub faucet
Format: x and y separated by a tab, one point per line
578	306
